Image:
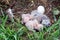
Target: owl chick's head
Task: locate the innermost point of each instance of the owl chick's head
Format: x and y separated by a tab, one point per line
41	9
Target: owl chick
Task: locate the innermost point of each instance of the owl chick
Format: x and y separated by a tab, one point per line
40	16
26	18
38	13
45	20
33	24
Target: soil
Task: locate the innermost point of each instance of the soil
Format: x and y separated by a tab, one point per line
26	6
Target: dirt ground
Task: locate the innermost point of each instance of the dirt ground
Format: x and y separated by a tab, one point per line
26	6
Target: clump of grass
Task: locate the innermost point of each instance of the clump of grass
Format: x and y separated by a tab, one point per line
20	32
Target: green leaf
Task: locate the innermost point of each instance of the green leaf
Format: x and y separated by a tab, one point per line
55	11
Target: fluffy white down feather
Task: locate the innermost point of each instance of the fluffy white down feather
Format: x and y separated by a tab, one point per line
10	13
